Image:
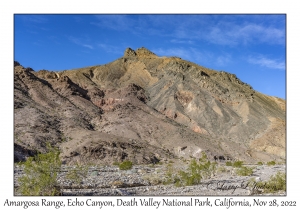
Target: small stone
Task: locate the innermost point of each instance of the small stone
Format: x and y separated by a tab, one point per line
257	179
141	171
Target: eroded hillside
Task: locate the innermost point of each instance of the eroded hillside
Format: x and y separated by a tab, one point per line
147	109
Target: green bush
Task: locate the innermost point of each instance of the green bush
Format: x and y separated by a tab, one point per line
228	163
271	163
260	163
125	165
40	174
274	184
196	171
192	177
244	171
237	164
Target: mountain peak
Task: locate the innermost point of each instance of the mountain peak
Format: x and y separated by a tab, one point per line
16	63
140	52
129	53
144	52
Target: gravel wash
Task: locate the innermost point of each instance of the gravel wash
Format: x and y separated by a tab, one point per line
144	180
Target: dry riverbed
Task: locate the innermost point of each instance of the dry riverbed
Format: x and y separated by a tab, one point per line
147	180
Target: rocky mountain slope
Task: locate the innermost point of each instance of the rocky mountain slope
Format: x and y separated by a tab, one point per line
146	109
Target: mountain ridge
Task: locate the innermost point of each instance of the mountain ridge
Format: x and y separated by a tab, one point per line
176	107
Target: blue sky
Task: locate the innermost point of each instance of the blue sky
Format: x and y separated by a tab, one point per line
251	46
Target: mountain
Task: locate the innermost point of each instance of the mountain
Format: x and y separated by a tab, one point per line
147	109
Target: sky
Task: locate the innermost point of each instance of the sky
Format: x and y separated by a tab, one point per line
251	46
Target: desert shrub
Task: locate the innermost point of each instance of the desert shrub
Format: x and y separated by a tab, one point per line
274	184
260	163
40	174
191	177
78	173
169	179
221	169
207	168
228	163
244	171
237	164
195	172
125	165
271	163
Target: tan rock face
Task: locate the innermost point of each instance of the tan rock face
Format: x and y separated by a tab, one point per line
159	103
145	53
129	53
272	141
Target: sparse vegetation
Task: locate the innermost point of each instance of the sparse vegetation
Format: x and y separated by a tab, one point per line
125	165
196	171
221	169
244	171
228	163
169	174
237	164
191	177
260	163
78	173
271	163
274	184
40	174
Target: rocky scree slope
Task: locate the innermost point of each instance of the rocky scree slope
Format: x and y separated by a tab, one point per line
146	109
